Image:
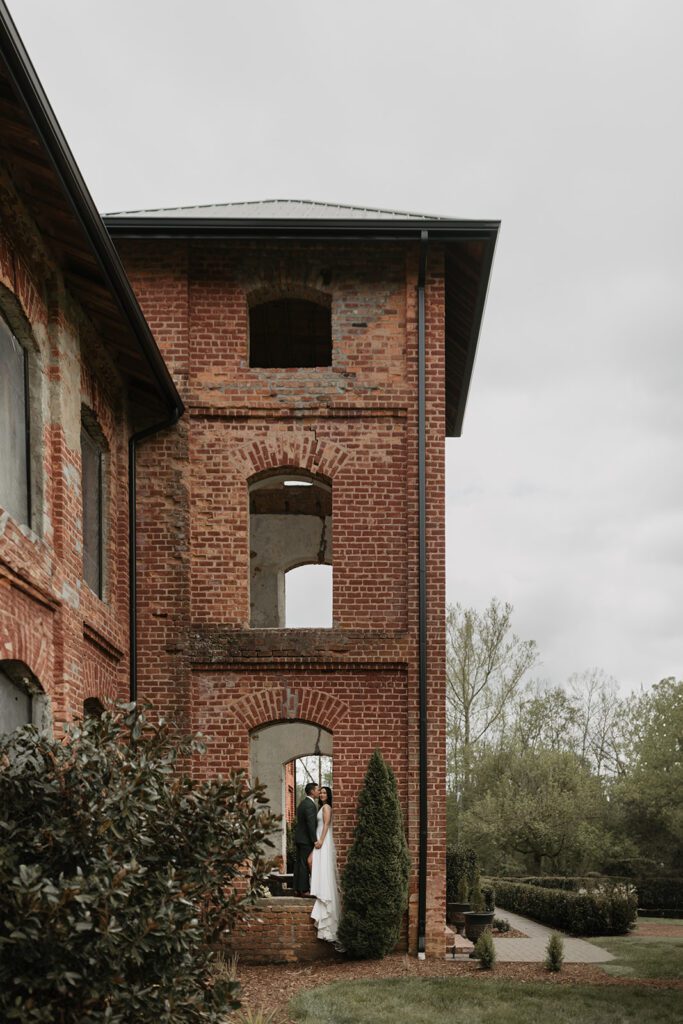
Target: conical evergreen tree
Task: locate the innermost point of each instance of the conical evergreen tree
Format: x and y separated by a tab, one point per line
375	879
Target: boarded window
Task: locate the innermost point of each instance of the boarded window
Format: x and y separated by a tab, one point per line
289	333
14	427
92	460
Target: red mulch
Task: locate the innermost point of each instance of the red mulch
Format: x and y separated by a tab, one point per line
512	933
651	929
274	985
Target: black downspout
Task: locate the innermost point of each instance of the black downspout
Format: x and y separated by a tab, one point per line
132	542
422	592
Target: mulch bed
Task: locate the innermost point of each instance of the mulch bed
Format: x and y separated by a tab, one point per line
511	934
652	930
274	985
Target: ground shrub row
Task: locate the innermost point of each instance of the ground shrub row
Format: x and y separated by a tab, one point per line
608	911
653	893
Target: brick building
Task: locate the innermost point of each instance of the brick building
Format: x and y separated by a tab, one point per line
322	353
293	331
80	374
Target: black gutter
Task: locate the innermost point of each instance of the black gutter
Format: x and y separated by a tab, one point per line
46	126
132	543
279	228
422	591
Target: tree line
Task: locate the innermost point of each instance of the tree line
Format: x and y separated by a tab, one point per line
557	780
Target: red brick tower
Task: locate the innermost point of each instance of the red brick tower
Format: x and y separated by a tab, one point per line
323	354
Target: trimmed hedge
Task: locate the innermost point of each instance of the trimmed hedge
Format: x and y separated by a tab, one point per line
460	862
611	910
653	893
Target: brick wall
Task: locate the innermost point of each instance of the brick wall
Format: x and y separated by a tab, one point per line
354	423
72	642
280	931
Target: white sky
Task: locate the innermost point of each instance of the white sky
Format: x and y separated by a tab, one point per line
561	118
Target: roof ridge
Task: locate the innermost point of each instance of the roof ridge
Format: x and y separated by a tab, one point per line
264	202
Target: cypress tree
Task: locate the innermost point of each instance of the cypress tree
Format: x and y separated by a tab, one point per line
375	879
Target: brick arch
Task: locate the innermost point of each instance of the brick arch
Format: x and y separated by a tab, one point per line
290	703
28	646
289	449
288	290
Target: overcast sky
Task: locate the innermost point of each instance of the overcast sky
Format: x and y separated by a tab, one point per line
560	117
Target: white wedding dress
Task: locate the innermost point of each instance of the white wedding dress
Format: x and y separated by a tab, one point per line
325	885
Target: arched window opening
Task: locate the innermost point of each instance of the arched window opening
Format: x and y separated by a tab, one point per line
290	333
308	597
15	489
285	756
93	451
22	701
290	525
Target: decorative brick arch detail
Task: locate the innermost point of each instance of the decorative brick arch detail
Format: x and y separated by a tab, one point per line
23	645
290	703
287	290
289	449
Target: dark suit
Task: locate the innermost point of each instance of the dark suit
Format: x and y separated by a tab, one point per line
304	837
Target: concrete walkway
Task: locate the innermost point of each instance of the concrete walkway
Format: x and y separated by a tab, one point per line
532	950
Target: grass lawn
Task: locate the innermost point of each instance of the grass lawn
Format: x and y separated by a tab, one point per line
643	957
444	1000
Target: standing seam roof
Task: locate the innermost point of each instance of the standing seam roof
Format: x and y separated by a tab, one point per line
275	209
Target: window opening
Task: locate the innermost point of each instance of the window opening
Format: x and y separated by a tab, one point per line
92	469
308	597
290	526
15	490
22	701
92	707
290	333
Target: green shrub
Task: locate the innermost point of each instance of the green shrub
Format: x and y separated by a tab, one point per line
488	893
375	879
476	895
653	893
554	952
501	924
463	890
610	910
461	863
485	950
117	875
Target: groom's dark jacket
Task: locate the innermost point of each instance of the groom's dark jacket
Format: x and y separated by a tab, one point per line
306	823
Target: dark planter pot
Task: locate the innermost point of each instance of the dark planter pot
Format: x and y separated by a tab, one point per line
455	915
476	922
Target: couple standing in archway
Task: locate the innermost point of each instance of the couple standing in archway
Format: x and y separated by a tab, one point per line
315	868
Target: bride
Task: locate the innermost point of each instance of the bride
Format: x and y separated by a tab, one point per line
324	880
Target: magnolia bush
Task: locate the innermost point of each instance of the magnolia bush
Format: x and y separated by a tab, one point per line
120	874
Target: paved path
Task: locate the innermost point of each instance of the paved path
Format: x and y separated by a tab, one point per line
532	950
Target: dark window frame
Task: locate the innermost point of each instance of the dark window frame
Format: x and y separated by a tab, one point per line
98	446
27	420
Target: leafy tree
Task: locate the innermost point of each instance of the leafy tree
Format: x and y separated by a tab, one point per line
650	794
535	811
119	874
485	665
375	879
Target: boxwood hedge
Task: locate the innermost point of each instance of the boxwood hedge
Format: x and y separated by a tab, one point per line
601	910
653	893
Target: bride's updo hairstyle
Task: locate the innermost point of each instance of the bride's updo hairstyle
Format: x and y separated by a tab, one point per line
329	794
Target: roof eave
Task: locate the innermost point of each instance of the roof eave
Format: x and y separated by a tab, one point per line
307	228
38	108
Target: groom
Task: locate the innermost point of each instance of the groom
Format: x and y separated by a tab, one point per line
304	837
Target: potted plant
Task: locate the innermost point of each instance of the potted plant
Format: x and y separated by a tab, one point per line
478	918
455	910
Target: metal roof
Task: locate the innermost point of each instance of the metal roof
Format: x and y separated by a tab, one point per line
278	209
